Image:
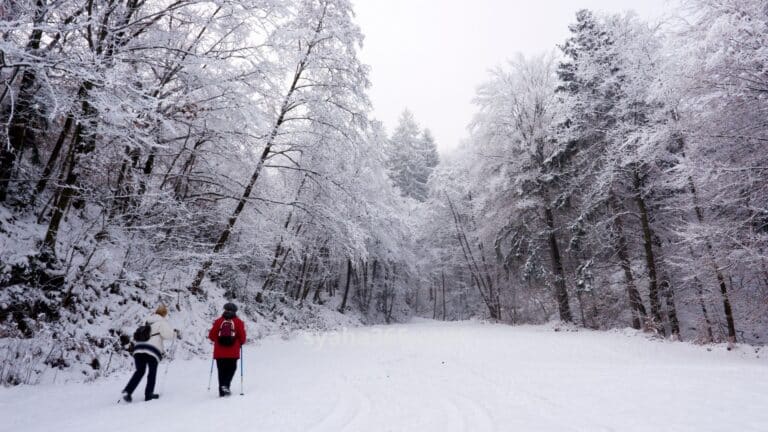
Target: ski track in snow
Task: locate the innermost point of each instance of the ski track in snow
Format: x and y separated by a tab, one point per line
428	376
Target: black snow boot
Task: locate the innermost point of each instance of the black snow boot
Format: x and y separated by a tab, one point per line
127	397
152	396
224	391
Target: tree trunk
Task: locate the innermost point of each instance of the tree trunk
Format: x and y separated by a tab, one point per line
48	170
20	124
124	192
650	260
704	313
580	301
669	297
474	269
493	291
635	300
301	280
316	298
561	293
718	274
443	278
314	265
82	142
726	304
344	298
271	274
274	270
433	297
391	294
366	289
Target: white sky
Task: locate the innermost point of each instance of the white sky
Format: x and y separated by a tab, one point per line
430	55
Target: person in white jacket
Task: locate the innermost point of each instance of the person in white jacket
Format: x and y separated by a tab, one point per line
148	354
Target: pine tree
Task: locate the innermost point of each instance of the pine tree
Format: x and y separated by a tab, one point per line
412	157
428	149
603	114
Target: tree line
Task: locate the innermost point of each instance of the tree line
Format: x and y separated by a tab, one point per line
185	150
619	181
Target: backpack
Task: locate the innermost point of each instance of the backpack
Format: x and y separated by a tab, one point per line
227	333
143	333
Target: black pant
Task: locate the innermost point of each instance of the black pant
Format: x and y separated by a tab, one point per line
226	368
143	361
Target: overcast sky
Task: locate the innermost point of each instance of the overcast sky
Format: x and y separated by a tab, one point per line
430	55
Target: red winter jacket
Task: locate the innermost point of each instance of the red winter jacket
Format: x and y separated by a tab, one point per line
232	351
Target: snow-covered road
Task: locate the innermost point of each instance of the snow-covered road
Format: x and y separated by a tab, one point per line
430	377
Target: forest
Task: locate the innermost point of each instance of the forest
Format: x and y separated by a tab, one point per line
191	152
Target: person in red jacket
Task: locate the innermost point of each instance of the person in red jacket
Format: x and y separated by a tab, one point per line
228	335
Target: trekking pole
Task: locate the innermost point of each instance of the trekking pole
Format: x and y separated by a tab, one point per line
241	370
210	375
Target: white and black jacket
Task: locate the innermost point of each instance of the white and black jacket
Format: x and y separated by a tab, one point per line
161	331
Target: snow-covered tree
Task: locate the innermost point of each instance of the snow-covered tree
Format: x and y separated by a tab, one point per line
154	143
517	113
412	157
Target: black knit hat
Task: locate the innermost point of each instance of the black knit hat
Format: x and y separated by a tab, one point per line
231	307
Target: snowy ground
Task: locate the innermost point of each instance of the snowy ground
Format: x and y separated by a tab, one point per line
430	377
